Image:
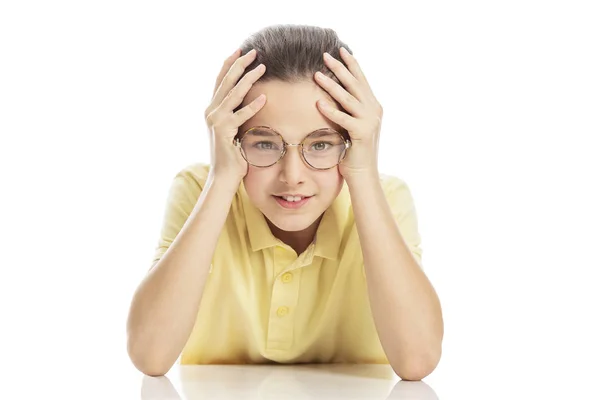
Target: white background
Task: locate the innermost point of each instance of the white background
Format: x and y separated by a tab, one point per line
492	116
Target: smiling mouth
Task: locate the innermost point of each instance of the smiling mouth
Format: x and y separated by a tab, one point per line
292	204
295	197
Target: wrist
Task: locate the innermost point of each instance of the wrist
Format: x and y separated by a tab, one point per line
361	178
224	181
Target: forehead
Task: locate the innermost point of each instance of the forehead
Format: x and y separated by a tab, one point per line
291	108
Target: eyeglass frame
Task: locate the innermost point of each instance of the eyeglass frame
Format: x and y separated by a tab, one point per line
237	142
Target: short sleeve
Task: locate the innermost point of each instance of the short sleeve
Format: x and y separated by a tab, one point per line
403	207
184	191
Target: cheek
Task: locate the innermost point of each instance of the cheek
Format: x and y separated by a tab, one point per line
331	184
256	182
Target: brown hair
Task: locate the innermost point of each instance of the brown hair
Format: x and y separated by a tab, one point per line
293	53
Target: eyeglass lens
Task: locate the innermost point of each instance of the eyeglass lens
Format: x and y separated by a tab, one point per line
321	149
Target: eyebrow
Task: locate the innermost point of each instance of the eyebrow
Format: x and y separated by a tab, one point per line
325	131
262	132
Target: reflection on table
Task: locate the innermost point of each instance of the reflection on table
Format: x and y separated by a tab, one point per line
307	381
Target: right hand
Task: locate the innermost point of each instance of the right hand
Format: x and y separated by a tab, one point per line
222	122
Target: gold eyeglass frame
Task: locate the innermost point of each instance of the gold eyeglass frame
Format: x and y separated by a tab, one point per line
237	142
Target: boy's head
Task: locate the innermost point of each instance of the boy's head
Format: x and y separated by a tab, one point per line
292	54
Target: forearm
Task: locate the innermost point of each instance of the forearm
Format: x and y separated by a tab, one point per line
406	309
165	305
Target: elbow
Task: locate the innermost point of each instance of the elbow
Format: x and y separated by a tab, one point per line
155	372
413	371
412	374
153	369
146	362
147	354
415	368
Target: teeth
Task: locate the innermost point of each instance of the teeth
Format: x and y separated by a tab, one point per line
292	198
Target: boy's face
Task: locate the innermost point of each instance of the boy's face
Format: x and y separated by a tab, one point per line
291	110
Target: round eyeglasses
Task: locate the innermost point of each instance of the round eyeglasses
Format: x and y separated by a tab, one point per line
262	147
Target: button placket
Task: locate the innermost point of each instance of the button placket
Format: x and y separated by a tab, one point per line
284	298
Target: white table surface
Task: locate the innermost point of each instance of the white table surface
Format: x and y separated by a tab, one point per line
314	381
109	377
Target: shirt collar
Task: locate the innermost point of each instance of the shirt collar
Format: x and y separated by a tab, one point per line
329	233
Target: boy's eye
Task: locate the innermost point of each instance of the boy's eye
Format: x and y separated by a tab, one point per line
320	145
266	145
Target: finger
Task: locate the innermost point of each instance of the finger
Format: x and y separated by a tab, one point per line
339	117
345	99
354	67
226	65
346	78
247	112
233	75
236	95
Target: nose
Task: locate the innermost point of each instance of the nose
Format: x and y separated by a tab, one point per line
293	166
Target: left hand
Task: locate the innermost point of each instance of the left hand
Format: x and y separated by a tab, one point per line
363	117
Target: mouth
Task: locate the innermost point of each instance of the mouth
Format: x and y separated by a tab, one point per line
295	203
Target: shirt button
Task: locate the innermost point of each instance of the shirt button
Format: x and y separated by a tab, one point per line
287	277
282	311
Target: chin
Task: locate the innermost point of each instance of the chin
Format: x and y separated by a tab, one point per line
290	223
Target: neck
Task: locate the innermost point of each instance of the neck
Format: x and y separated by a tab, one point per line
297	240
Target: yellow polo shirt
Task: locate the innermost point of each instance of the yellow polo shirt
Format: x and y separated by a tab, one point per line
263	303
